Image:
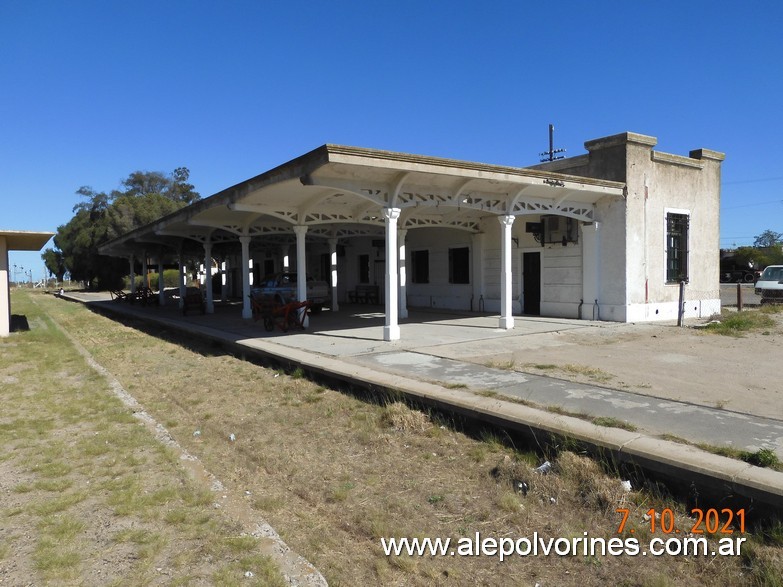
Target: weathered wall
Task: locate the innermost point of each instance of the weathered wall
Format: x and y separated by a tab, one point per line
632	250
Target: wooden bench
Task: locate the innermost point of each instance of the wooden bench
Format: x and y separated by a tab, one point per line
118	295
364	294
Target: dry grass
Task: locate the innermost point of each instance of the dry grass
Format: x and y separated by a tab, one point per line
88	493
334	473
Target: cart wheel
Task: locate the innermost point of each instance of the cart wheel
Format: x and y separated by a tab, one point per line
269	324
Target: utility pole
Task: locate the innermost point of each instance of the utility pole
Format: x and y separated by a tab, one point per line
551	154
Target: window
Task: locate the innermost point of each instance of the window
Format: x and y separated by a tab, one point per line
459	265
364	268
420	267
676	247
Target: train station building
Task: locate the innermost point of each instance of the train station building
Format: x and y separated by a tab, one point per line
607	235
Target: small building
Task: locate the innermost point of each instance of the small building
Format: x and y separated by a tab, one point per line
608	235
14	240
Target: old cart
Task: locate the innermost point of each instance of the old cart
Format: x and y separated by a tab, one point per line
274	310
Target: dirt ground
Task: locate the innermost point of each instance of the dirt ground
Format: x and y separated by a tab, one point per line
688	364
333	474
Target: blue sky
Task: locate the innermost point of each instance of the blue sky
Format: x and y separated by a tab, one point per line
91	91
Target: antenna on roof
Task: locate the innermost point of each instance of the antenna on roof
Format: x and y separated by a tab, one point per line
551	154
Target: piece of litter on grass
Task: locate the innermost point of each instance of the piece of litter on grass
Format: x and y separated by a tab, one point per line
232	437
197	433
552	500
626	486
248	574
544	468
277	374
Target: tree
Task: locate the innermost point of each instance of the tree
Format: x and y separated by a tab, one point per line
175	188
146	197
128	212
181	190
767	239
55	263
97	204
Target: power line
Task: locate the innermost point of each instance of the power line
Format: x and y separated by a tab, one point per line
752	180
756	204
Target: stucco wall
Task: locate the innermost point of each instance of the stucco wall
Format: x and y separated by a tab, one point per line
439	293
632	281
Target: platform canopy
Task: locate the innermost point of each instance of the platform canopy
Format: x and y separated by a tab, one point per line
337	192
340	191
15	240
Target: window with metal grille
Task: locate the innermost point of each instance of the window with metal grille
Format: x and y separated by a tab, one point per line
676	247
459	265
420	267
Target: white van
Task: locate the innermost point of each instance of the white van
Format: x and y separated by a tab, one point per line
770	285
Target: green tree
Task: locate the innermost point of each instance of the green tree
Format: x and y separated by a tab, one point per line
768	238
101	217
55	263
128	212
174	187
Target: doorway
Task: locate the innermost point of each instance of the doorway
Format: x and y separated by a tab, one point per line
531	284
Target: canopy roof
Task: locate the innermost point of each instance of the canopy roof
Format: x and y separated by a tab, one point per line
340	191
22	240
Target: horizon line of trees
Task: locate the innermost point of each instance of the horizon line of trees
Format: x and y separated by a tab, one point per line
767	249
144	197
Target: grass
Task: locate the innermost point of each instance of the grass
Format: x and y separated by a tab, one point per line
763	457
332	475
80	465
605	421
738	323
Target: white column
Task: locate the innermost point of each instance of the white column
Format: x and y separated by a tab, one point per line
208	279
391	330
591	267
247	311
333	270
301	269
181	264
401	234
506	318
132	262
5	296
161	284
